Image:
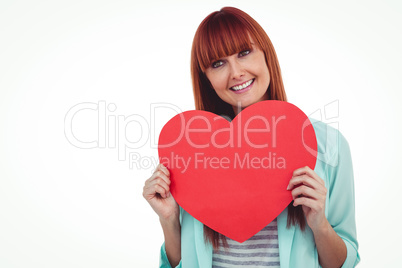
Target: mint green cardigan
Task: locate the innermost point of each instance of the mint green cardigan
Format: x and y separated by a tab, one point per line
296	247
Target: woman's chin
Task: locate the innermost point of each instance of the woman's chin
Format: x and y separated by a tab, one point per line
242	105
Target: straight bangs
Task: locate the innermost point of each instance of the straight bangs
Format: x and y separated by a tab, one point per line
222	36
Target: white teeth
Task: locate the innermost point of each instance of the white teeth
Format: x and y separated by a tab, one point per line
244	85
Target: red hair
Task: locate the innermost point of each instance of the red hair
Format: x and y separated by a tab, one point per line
221	34
225	33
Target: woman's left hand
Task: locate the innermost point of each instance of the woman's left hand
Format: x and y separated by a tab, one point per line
308	190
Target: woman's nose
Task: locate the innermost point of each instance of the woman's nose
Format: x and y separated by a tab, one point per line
237	70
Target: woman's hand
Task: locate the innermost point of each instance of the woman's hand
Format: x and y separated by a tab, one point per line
157	193
308	190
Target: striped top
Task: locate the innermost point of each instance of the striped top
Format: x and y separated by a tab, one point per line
261	250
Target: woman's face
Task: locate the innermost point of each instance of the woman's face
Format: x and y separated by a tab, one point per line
240	79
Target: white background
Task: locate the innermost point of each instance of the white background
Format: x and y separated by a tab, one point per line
62	206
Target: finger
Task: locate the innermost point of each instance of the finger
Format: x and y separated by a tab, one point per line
305	191
158	174
151	191
301	171
303	180
157	178
164	169
160	190
308	202
161	183
308	171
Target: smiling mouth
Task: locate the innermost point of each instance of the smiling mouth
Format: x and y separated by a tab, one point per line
242	86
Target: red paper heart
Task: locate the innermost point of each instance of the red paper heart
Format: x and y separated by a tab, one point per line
232	176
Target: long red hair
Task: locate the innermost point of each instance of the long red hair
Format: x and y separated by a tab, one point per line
220	34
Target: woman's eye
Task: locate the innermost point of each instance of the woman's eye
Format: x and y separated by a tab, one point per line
216	64
244	53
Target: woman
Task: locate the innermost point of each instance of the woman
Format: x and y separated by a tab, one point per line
233	65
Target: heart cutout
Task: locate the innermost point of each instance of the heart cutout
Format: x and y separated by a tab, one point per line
232	176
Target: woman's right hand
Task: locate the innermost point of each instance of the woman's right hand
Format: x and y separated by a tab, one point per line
157	193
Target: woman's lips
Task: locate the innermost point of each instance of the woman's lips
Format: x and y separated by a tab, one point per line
243	87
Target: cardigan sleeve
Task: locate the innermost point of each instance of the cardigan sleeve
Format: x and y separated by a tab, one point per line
341	211
163	260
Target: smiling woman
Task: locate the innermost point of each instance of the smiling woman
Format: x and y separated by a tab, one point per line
234	65
229	49
234	76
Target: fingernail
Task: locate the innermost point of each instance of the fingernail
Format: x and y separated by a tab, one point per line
288	187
